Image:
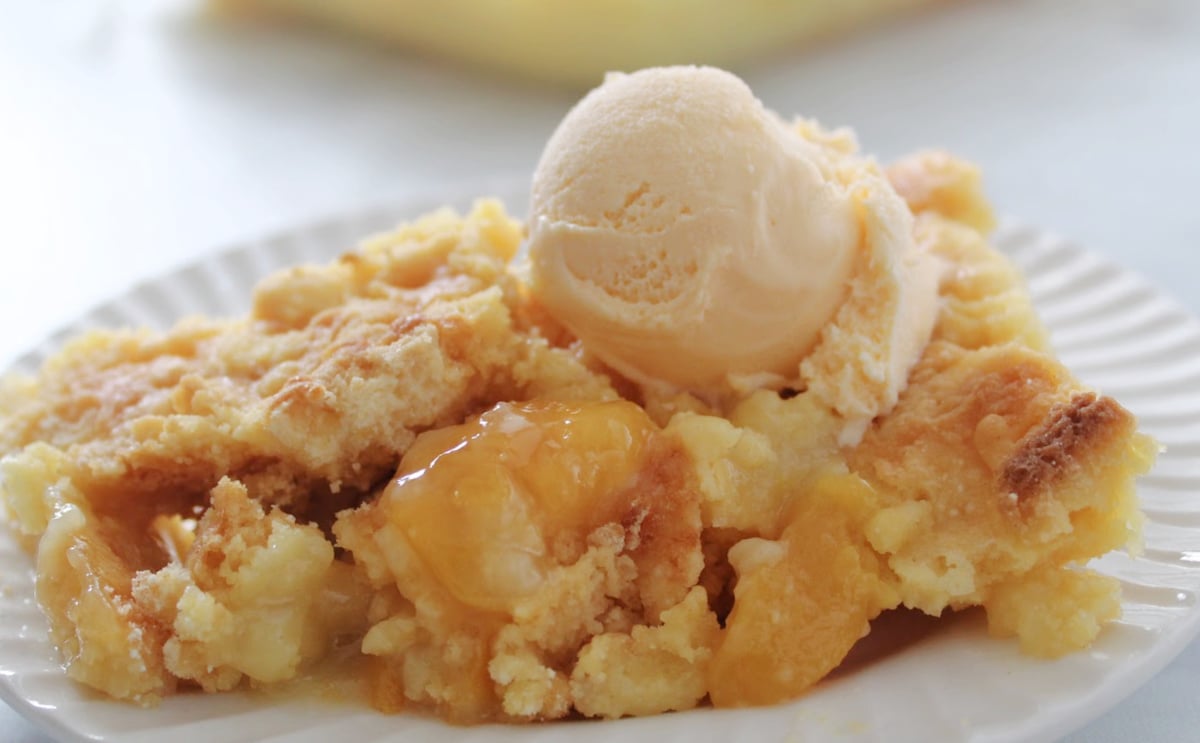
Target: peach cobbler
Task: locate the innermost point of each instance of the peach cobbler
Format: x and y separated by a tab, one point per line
732	392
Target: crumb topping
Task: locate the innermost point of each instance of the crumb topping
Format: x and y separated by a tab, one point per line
1051	453
400	457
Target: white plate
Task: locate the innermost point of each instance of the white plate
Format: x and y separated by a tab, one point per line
1116	331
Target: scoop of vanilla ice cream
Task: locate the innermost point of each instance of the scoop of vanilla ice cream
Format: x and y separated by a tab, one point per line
691	238
686	234
861	363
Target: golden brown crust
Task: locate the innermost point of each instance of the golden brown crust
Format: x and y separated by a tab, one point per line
319	390
1053	452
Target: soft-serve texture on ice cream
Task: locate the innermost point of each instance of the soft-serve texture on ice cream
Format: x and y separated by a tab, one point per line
691	237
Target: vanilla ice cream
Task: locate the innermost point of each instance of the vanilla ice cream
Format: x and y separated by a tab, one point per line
691	238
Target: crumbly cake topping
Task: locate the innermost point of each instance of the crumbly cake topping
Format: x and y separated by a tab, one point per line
401	454
1050	454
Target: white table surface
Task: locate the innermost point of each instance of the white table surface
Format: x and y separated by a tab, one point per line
135	136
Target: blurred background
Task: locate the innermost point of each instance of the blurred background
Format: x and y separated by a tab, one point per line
140	134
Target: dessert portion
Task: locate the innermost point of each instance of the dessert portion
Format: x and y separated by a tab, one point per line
746	391
576	43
